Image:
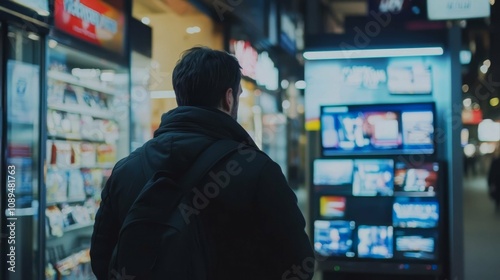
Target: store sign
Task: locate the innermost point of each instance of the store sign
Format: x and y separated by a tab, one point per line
364	76
457	9
488	131
287	34
472	117
391	6
40	6
401	10
266	74
247	57
93	21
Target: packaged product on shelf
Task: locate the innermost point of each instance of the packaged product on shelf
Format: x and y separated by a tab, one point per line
68	268
62	154
65	123
92	179
80	215
106	153
54	122
66	210
70	97
75	266
101	100
58	66
51	126
55	220
88	156
92	205
87	99
90	128
55	92
75	123
50	272
56	185
76	189
88	182
110	130
97	178
76	154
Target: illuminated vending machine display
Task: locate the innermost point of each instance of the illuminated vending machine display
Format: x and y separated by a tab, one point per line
378	208
377	188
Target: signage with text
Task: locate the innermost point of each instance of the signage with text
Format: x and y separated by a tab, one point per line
402	10
265	73
247	57
93	21
457	9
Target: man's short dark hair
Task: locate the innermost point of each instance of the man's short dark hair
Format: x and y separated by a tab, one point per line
202	76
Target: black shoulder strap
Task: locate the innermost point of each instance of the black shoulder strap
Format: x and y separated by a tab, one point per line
155	199
206	161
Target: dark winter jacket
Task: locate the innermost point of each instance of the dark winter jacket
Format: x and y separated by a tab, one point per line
255	222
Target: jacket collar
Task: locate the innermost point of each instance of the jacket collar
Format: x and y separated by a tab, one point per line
203	120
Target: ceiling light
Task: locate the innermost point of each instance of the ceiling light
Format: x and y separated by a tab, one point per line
300	84
193	29
487	63
373	53
483	69
43	13
465	56
285	84
467	102
469	150
465	88
494	101
33	36
52	43
285	104
146	20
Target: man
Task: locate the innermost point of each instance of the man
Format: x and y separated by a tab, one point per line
253	219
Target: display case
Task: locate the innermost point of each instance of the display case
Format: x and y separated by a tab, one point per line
88	130
384	176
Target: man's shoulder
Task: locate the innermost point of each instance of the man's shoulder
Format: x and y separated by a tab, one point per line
128	161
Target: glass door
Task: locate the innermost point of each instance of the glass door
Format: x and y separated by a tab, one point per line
20	214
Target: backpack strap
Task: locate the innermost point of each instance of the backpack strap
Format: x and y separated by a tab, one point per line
206	161
155	201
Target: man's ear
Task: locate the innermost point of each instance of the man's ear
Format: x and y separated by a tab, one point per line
227	102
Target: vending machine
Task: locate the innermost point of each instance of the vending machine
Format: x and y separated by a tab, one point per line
383	131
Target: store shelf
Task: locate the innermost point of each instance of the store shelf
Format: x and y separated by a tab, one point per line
77	227
52	203
70	79
82	110
68	229
98	166
73	137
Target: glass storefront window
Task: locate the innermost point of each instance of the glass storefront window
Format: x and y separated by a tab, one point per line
23	149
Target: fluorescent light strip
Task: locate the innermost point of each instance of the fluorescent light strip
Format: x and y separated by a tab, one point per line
373	53
162	94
